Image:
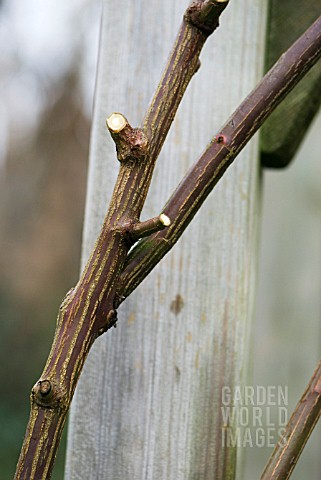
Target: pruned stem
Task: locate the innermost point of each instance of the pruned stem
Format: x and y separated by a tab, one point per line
301	424
221	152
90	308
110	274
131	143
144	229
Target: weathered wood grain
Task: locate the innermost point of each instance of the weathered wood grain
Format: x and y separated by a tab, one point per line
89	308
148	404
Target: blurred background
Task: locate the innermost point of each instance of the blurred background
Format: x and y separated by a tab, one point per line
47	74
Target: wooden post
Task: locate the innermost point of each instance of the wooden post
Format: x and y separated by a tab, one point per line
148	404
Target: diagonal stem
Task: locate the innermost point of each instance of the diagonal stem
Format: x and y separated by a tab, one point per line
301	424
221	152
89	309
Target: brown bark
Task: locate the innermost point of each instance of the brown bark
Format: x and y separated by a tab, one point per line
89	309
220	153
301	424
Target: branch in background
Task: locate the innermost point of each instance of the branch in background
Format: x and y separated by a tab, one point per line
89	309
284	131
297	432
206	172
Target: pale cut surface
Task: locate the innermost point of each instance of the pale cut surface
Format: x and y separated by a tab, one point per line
148	402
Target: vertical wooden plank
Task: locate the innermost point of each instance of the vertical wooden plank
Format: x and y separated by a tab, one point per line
148	402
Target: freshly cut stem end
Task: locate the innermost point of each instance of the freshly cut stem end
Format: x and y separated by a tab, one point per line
144	229
116	122
165	220
131	143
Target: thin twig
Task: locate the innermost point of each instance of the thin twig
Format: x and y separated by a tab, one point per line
301	424
144	229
